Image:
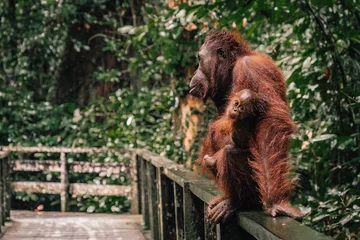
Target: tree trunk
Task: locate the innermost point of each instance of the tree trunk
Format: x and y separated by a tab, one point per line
76	82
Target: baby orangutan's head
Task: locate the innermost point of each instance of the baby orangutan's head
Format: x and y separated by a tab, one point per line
246	104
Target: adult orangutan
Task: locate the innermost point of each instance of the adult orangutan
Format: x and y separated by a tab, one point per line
227	64
227	150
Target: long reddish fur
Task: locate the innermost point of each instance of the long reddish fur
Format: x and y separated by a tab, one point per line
269	148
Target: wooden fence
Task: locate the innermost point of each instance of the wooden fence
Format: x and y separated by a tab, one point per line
173	202
64	187
171	199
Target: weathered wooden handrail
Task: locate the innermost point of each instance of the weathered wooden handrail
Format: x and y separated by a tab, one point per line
173	202
65	188
4	189
76	189
77	167
59	149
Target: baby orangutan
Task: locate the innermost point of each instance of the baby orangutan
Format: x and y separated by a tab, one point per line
227	155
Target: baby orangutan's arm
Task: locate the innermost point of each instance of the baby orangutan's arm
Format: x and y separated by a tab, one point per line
211	161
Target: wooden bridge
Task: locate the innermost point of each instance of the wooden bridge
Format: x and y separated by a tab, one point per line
167	202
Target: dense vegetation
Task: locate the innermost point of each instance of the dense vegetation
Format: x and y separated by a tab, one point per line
93	73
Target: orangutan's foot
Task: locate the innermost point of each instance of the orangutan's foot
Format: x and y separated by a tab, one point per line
220	210
284	209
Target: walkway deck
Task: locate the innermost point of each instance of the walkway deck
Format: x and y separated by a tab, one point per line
56	225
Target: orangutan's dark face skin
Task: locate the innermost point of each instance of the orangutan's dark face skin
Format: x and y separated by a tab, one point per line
199	83
209	59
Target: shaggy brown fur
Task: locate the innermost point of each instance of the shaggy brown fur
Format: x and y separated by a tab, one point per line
229	137
227	64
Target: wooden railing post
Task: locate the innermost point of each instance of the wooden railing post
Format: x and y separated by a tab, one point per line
65	185
230	229
210	229
2	192
179	211
193	215
144	194
153	201
135	184
4	189
7	188
166	206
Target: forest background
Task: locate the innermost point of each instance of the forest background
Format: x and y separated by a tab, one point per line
94	73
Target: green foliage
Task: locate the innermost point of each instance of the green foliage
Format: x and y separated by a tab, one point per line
131	119
32	43
315	43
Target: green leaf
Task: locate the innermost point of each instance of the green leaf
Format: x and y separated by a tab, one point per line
323	137
320	217
348	218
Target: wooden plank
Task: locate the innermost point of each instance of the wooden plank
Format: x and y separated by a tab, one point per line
135	184
144	194
166	207
37	187
139	196
193	215
78	167
7	189
179	211
28	225
262	226
100	190
181	175
157	160
4	154
2	193
65	184
153	201
204	189
232	231
63	149
36	165
75	188
108	168
210	229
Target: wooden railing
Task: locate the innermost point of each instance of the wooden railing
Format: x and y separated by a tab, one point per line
173	202
171	199
65	188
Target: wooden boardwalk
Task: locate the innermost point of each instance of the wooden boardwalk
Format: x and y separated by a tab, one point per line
56	225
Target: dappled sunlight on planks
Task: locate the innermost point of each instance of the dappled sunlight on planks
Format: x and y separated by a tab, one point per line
57	225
